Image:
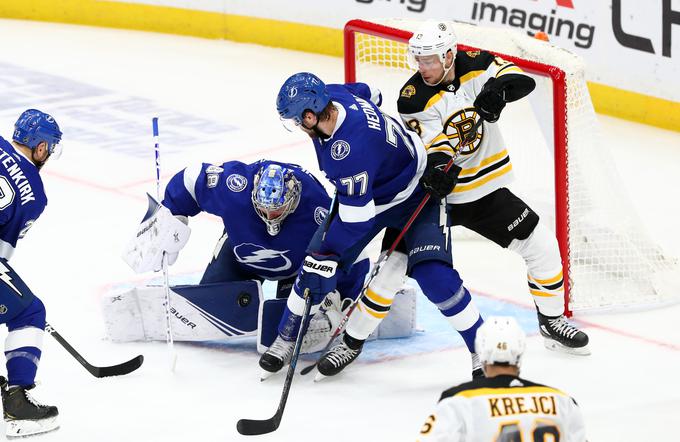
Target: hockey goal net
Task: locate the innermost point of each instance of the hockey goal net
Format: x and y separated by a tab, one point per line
561	168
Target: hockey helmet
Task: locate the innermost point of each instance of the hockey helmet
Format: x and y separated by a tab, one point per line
432	38
33	127
276	194
300	92
500	340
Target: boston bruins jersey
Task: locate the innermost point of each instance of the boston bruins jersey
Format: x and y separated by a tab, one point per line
443	114
504	409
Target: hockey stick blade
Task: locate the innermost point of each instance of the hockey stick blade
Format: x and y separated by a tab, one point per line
117	370
254	427
98	372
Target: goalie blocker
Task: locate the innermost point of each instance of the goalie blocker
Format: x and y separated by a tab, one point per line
225	311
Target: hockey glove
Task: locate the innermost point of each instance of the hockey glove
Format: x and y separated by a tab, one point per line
490	101
160	232
318	274
434	180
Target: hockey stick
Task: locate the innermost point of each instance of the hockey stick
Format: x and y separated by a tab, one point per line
98	372
469	137
254	427
164	264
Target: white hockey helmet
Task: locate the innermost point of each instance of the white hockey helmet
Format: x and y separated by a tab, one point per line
500	340
432	38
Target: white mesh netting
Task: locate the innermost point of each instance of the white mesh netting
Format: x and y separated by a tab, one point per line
613	262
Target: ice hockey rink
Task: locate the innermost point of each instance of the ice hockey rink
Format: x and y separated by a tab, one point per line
215	101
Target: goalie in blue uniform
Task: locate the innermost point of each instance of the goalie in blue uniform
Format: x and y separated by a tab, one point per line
22	201
270	212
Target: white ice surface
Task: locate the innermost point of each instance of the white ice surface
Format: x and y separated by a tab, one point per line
628	388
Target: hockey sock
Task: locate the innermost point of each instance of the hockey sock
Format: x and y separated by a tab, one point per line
544	267
374	306
289	325
23	344
354	344
444	288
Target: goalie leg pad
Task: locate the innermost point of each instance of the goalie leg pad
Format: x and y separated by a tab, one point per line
544	269
203	312
374	306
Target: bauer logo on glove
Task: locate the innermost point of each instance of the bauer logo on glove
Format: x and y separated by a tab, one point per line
160	231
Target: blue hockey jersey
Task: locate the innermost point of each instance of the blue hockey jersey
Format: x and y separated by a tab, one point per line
226	190
373	161
22	197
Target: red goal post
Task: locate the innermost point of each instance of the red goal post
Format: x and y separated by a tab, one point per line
593	248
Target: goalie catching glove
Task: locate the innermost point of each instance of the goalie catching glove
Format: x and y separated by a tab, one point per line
434	180
160	231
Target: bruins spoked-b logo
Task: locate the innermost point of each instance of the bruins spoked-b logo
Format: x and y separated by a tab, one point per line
459	125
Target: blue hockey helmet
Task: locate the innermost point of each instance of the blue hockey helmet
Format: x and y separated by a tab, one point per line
276	194
33	127
300	92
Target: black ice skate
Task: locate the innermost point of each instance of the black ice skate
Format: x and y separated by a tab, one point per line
24	416
560	335
276	357
338	357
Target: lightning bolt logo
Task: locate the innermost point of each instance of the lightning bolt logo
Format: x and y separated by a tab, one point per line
256	254
4	277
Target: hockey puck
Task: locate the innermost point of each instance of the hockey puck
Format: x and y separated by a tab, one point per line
243	299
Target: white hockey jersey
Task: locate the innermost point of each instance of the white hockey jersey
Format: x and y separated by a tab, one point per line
443	114
504	409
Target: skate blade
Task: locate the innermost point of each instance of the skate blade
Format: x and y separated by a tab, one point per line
319	377
24	428
553	345
264	374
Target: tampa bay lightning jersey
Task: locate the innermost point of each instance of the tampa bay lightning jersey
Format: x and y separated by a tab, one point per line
226	190
373	161
22	197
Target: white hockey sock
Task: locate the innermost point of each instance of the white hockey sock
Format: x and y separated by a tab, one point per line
544	267
374	306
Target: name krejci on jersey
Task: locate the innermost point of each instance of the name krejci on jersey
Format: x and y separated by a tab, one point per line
503	406
20	180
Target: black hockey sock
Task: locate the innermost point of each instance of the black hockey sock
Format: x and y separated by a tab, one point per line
354	344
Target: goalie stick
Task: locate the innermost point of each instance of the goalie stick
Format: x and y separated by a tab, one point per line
164	263
254	427
98	372
469	138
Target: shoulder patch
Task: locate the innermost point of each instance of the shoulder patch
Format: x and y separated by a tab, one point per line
320	214
340	149
415	95
408	91
236	182
472	54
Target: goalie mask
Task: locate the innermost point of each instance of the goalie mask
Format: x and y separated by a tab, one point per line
500	340
433	38
276	194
